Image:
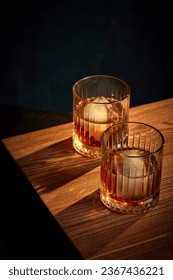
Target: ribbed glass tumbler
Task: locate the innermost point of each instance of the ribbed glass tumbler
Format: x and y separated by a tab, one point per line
98	102
131	166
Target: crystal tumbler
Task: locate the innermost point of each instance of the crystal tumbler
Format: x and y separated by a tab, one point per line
98	102
131	165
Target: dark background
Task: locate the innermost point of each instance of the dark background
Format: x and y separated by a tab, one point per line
46	46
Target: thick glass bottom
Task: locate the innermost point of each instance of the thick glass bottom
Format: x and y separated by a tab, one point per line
132	207
84	149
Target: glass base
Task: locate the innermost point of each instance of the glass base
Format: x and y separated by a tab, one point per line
130	207
85	150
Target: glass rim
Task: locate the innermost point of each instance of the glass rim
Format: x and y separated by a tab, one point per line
101	76
141	123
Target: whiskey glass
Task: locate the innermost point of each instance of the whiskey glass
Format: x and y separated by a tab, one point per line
131	166
98	102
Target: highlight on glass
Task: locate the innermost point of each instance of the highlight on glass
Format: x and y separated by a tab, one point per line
98	102
131	167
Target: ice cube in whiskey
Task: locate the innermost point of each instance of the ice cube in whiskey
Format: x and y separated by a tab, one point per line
130	181
92	117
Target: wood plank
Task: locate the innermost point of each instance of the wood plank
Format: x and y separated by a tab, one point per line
68	184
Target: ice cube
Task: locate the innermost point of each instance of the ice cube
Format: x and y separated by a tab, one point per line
100	99
97	110
135	175
136	167
132	165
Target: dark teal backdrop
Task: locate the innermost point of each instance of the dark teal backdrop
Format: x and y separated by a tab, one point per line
46	46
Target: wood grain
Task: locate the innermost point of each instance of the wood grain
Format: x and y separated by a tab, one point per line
68	184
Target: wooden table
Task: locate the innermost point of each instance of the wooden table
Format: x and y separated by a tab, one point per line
68	185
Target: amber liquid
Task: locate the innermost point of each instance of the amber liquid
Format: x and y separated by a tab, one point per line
128	181
91	121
